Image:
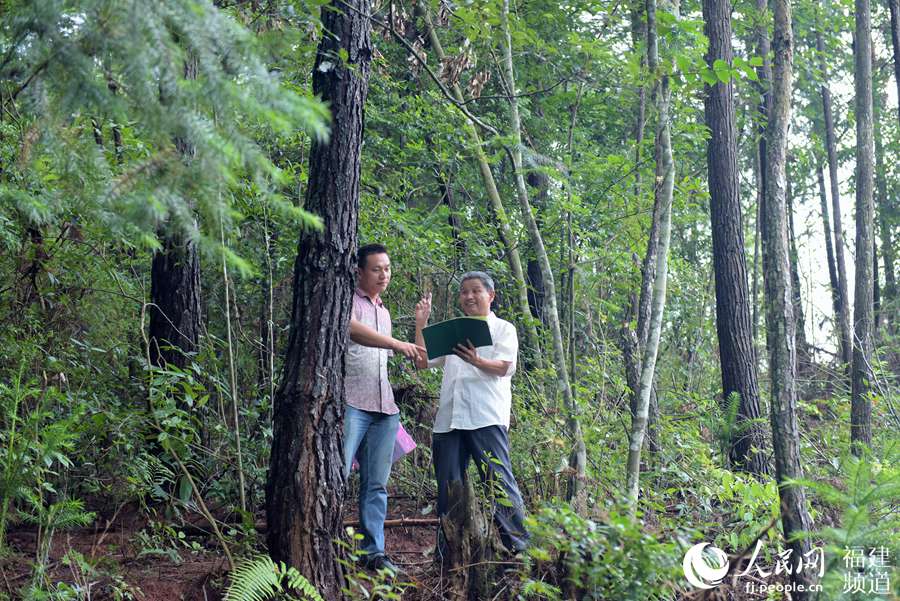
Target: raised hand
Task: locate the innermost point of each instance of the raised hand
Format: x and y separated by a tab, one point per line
423	310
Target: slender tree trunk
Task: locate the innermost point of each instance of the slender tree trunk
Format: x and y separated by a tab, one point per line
490	185
733	327
648	277
779	308
630	341
639	37
829	248
760	196
665	183
764	75
797	298
843	316
864	339
304	491
894	7
536	291
578	460
888	300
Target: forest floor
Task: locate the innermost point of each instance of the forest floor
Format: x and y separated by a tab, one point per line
136	558
162	561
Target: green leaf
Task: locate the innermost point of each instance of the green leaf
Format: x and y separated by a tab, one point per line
708	76
723	70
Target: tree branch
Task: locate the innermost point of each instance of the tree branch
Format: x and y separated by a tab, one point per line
459	105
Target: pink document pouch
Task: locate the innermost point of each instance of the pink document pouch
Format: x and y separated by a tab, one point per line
403	445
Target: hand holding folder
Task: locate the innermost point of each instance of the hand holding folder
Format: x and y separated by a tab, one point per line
441	338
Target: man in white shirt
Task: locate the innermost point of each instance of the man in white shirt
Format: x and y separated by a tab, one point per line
472	421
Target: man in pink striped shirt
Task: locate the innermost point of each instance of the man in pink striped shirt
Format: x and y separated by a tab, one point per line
371	417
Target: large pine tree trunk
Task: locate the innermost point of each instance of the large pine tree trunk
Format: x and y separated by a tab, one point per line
665	184
175	277
843	316
304	491
863	335
175	313
779	307
736	350
578	460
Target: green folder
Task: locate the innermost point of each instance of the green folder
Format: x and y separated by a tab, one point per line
441	338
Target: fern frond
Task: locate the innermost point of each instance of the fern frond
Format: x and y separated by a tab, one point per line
298	582
261	579
257	579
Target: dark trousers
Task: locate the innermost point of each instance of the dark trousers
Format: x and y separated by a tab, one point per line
489	447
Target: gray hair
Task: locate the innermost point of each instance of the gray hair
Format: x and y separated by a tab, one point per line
478	275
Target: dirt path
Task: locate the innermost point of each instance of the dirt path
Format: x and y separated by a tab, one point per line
159	561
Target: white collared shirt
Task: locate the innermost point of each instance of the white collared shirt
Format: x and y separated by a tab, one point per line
471	398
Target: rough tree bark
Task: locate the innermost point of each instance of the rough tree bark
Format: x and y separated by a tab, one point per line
578	458
304	490
174	330
175	292
779	308
843	316
665	183
736	351
863	314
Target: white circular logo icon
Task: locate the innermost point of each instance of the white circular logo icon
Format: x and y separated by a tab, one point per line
705	570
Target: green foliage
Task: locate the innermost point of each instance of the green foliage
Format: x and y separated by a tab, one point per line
573	557
106	143
167	80
362	584
35	441
260	579
866	496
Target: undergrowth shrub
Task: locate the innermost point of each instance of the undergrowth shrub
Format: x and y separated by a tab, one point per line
576	558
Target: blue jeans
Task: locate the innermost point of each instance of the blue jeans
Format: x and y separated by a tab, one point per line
370	436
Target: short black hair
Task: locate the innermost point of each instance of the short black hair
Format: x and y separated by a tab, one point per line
362	255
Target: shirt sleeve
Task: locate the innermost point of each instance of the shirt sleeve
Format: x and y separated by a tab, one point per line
506	346
355	311
390	330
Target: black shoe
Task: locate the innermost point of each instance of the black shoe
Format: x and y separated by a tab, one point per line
380	561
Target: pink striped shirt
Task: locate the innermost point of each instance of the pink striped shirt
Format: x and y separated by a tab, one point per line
366	384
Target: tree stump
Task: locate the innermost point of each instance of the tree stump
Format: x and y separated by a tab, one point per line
471	546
